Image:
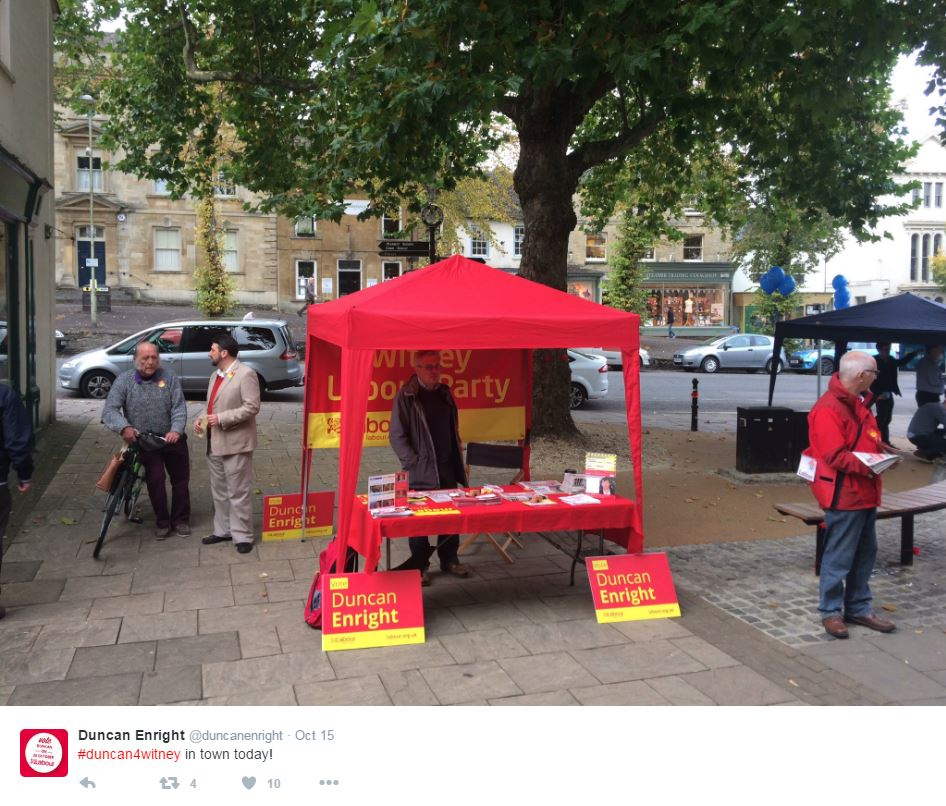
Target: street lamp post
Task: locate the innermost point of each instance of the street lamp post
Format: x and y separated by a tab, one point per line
90	261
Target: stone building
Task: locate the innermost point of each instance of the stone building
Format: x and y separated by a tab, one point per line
143	241
27	290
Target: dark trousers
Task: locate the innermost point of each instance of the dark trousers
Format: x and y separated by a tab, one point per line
176	459
884	416
6	505
932	445
926	397
448	546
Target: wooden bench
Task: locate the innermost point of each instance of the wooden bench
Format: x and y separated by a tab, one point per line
903	505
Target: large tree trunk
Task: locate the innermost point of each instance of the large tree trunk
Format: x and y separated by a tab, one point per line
545	189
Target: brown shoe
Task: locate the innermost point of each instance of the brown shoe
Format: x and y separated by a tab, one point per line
872	622
456	568
161	532
834	626
424	579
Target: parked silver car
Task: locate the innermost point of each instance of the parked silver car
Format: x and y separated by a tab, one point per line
266	346
589	378
744	351
613	357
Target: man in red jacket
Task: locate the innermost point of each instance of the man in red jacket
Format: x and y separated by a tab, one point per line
849	492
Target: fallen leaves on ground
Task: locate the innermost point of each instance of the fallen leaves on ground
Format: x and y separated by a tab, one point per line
69	521
889	608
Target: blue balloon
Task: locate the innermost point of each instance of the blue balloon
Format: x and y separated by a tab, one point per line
771	280
839	282
842	298
787	286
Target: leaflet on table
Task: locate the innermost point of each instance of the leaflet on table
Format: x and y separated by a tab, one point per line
538	500
600	470
878	462
388	494
550	487
578	500
574	483
441	496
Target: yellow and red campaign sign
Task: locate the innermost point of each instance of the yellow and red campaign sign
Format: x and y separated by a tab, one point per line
369	610
282	515
632	587
489	387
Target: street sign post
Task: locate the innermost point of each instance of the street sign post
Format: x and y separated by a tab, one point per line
404	248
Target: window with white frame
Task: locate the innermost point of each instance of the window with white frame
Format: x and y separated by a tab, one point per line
693	247
924	246
159	187
82	172
349	277
649	254
231	250
223	186
927	193
305	227
938	194
390	269
167	250
596	247
390	225
916	196
479	245
304	270
518	238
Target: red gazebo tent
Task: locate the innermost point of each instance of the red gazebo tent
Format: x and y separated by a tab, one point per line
458	304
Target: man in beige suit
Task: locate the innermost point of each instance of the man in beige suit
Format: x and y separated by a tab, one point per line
230	424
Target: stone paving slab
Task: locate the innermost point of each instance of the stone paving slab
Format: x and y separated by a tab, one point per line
177	622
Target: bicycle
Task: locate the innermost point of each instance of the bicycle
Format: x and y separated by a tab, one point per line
125	488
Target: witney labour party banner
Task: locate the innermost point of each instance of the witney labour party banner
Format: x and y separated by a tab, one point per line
489	387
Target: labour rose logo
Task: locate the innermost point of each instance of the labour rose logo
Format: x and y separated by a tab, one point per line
44	753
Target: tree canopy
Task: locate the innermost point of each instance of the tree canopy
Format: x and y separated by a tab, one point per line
401	98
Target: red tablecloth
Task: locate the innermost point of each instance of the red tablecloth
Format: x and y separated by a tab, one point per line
614	514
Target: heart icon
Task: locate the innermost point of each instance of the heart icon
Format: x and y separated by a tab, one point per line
249	783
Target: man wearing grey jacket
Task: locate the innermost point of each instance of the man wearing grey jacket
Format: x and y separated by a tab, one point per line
425	435
147	398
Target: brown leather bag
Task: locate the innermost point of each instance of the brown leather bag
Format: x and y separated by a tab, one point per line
108	474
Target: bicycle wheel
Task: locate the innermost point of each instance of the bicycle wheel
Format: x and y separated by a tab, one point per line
114	500
132	500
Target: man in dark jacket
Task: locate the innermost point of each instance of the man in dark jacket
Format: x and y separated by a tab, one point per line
15	444
849	492
425	435
886	385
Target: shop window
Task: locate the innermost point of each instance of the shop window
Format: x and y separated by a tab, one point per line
596	247
693	247
304	270
167	250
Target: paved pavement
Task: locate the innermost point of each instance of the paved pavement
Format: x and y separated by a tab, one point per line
177	622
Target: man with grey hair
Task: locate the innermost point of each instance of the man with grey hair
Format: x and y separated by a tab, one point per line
849	493
147	398
425	435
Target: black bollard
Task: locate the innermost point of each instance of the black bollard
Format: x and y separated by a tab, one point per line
695	406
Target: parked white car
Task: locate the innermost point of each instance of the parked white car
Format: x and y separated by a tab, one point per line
613	357
589	377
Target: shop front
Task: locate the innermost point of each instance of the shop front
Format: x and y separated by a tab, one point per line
699	297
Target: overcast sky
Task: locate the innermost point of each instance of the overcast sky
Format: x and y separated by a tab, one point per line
908	82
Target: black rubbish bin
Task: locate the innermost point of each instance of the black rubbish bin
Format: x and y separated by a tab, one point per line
764	439
103	300
799	436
